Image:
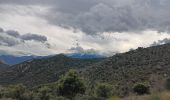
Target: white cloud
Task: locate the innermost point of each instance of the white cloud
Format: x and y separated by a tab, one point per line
61	39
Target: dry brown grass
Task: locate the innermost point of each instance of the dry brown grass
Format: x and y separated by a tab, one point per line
145	97
6	99
153	96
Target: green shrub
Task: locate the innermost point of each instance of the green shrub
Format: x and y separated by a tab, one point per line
17	91
71	84
104	90
141	89
44	93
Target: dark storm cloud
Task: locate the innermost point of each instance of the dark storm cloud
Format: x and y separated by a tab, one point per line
12	38
160	42
12	33
1	30
112	16
8	41
34	37
98	16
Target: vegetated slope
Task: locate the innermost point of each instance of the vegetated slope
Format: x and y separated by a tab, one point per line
150	65
40	71
3	66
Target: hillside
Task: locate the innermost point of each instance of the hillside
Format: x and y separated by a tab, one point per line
3	66
39	71
151	65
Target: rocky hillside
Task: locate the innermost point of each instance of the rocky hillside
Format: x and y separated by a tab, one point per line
40	71
151	65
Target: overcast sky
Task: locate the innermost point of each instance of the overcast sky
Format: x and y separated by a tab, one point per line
46	27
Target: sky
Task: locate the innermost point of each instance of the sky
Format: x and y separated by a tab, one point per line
105	27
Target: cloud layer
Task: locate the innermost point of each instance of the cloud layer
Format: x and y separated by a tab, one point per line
114	16
160	42
124	24
12	38
12	42
98	16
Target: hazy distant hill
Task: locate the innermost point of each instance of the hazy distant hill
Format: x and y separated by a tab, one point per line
12	60
43	70
84	55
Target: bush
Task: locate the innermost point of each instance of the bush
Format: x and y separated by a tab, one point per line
104	90
71	84
30	96
44	93
167	84
18	92
141	89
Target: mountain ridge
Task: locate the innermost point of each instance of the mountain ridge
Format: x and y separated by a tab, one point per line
151	65
123	71
44	70
12	60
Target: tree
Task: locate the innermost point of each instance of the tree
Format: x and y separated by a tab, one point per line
104	90
141	89
71	84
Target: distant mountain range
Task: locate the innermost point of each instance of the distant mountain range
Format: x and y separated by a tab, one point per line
84	55
149	65
12	60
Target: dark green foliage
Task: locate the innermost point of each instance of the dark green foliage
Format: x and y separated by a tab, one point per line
141	89
167	84
71	84
104	90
